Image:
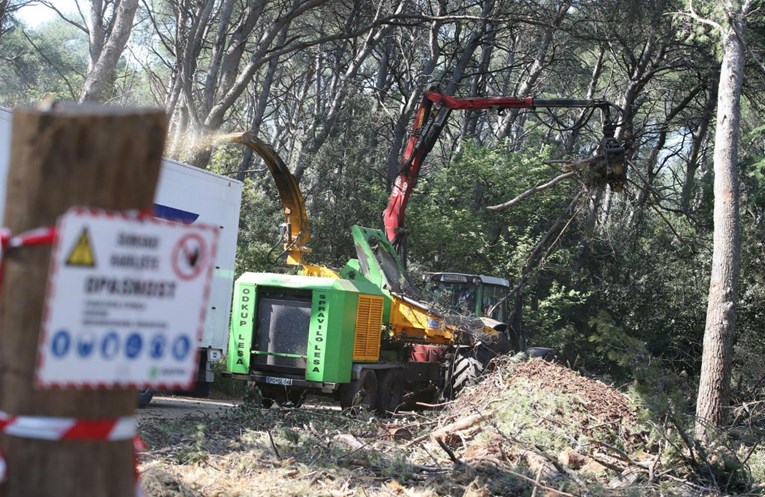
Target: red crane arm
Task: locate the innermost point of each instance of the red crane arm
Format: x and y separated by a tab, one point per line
426	129
431	118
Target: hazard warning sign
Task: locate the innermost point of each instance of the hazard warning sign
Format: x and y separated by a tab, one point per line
81	254
126	301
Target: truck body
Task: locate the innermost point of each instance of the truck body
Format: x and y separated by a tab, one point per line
362	334
189	194
185	194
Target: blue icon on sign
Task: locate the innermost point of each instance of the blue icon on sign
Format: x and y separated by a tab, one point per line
60	343
85	345
133	345
110	345
181	347
157	346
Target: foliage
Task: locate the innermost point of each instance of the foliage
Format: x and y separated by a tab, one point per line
346	186
50	60
258	246
453	231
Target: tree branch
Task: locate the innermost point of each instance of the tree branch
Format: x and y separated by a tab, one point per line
693	15
531	191
51	6
72	91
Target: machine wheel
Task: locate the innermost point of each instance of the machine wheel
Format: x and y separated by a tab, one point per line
259	396
465	369
390	392
201	390
545	353
361	392
271	397
144	397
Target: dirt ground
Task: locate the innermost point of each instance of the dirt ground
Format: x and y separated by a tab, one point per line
527	429
177	407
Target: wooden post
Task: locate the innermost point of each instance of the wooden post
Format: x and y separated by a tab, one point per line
95	156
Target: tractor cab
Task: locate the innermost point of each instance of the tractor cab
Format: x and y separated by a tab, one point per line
470	294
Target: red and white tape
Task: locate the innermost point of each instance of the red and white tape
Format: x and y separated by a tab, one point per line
54	428
50	428
38	236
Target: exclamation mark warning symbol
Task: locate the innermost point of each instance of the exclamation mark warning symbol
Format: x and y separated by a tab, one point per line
82	252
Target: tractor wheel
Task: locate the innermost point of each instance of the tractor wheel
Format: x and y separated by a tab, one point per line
465	369
390	392
201	390
280	395
268	395
360	393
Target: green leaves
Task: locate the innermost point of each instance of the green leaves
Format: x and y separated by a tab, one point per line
451	229
50	60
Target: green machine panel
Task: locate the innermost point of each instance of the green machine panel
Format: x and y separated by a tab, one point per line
331	335
240	338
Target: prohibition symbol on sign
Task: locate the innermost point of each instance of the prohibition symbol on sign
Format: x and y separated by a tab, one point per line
189	256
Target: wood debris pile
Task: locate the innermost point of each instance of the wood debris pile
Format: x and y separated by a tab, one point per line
602	403
548	426
526	428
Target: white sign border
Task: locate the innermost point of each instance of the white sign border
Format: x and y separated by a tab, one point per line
132	215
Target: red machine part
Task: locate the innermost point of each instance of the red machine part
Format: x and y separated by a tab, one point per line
430	121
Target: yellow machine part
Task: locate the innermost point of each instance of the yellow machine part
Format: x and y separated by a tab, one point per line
369	314
411	323
297	235
319	271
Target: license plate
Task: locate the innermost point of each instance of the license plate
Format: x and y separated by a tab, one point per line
274	380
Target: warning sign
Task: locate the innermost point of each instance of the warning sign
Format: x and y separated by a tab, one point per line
81	254
126	302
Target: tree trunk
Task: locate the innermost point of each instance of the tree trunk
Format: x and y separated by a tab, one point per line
261	103
536	69
696	157
103	70
412	101
714	384
655	162
597	70
4	11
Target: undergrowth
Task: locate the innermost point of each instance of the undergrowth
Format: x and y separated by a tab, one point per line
532	425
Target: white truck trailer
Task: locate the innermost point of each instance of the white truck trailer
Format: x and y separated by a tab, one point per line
185	194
